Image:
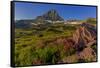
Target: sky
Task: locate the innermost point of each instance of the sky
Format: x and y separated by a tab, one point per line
24	10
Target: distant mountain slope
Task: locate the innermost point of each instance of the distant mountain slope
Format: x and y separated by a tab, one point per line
23	23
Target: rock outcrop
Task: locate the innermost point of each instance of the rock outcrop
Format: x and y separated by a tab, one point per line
82	40
85	34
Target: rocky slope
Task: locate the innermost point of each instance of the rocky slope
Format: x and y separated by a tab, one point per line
84	35
82	41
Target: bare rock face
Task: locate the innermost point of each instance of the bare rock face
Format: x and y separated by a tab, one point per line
87	54
85	34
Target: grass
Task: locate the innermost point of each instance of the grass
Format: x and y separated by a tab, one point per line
43	51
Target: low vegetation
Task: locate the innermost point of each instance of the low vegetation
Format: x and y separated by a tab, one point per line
34	46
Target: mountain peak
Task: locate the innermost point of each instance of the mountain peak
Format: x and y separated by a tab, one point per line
51	15
52	11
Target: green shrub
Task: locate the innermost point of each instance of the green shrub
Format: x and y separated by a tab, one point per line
24	56
47	54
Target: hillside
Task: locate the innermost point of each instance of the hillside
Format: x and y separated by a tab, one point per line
57	43
48	39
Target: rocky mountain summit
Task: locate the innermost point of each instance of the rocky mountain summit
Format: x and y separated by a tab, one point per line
51	15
